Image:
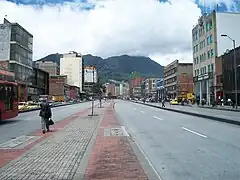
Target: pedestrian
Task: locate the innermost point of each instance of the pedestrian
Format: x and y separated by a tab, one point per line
45	114
163	102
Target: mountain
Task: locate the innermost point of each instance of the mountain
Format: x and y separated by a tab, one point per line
118	67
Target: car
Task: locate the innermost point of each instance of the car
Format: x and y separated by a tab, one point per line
174	102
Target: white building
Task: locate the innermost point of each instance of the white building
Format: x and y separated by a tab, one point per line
90	74
71	64
208	44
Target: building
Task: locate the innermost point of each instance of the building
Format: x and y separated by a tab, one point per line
58	87
135	82
51	67
151	86
39	85
17	44
207	45
17	50
90	77
110	89
228	75
72	65
178	79
219	78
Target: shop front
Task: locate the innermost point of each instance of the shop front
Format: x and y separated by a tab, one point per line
203	87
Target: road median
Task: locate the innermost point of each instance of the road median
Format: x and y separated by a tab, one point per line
59	105
212	116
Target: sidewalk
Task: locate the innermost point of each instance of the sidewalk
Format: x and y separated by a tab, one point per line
62	154
212	114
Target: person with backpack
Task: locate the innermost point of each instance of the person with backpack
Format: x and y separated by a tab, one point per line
45	114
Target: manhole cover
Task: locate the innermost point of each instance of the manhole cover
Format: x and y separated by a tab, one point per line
113	132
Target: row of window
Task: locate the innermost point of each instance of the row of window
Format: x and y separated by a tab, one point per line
204	70
204	57
22	37
202	44
20	54
201	31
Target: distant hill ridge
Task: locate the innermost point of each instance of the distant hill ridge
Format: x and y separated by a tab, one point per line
118	67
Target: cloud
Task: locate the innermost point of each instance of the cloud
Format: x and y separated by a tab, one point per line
112	27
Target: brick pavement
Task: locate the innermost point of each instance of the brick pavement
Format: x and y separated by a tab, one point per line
58	156
112	157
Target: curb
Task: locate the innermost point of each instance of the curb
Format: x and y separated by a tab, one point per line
233	110
35	109
195	114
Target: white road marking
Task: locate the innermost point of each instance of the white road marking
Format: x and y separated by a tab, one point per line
149	162
196	133
144	154
157	118
124	131
142	111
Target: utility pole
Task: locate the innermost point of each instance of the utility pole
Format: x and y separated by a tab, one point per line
93	91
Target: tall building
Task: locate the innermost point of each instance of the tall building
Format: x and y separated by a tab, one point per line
49	66
16	45
208	44
72	65
178	79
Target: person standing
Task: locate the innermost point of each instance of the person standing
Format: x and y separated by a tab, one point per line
45	114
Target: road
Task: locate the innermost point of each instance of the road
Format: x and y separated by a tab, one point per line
28	122
183	147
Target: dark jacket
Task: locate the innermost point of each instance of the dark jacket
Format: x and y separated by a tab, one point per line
45	111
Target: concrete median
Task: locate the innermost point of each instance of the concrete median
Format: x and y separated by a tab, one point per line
54	106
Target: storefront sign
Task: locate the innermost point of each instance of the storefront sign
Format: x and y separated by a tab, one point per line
204	77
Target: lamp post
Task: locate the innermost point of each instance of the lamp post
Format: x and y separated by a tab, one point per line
235	66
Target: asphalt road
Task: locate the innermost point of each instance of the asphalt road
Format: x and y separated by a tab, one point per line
212	112
28	122
183	147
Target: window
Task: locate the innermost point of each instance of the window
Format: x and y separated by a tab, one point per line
197	60
209	40
209	68
194	61
212	53
212	67
209	54
197	71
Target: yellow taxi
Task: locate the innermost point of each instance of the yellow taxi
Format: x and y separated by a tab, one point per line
174	102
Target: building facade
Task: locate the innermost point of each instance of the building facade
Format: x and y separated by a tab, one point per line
39	85
228	75
207	45
71	64
58	86
178	79
49	66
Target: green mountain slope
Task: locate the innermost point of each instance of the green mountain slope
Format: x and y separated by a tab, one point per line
118	67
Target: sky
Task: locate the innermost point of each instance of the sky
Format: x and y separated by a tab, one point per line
159	29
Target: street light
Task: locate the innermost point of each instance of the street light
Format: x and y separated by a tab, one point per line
235	66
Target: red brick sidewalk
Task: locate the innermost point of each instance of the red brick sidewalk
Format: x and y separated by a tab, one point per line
112	157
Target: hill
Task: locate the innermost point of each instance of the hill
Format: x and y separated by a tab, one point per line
118	67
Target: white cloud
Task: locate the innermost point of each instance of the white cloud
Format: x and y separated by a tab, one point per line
136	27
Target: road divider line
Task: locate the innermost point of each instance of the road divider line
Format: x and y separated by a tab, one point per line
194	132
158	118
142	111
124	131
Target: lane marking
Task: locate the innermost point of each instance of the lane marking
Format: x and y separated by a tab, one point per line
194	132
144	154
157	118
142	111
124	131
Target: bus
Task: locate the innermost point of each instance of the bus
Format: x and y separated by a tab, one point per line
8	95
